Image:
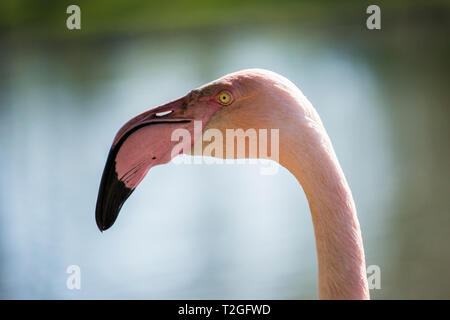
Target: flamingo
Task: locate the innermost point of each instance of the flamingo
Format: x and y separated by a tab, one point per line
252	98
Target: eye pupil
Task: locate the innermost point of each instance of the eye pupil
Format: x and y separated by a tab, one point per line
225	98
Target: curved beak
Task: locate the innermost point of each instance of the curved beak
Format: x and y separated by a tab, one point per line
143	142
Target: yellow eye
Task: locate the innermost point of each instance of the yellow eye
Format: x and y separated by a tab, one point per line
224	98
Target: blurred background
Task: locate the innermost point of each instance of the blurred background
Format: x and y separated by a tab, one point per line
230	233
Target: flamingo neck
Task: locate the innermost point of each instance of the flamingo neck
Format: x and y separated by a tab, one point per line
311	158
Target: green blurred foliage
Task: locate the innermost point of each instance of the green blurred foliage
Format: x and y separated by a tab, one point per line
47	18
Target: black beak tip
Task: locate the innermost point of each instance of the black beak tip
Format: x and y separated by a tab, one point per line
101	217
102	226
111	196
109	203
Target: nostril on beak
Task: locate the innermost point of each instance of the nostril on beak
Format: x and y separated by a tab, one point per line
162	114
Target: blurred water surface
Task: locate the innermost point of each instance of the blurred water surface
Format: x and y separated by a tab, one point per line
216	231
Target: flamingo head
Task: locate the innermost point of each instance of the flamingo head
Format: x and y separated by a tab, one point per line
245	99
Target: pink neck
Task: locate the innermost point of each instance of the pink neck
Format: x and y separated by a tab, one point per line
342	269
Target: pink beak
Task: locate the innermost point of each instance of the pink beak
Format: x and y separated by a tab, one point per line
143	142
